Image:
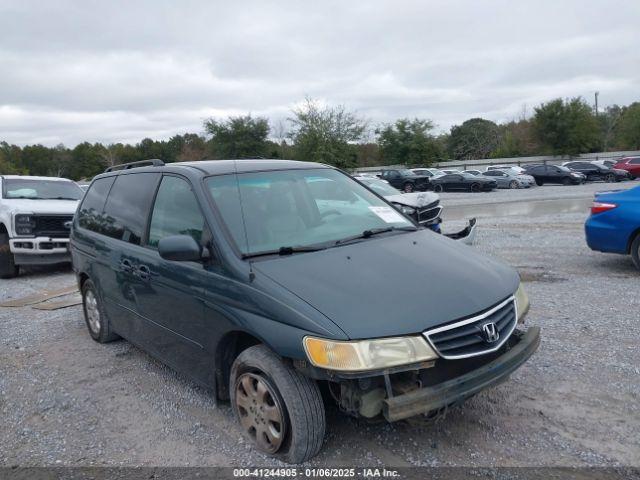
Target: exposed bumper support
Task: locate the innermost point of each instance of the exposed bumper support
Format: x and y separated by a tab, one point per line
453	391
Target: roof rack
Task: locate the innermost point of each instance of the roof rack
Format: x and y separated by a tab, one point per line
154	162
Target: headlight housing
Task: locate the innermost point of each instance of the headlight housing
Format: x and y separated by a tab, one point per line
24	224
360	355
404	209
522	303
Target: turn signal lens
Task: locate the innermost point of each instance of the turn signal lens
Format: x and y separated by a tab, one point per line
599	207
367	354
522	303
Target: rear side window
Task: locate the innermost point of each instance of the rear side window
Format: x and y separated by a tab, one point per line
90	213
176	212
128	206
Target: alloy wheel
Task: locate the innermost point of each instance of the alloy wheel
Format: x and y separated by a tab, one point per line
92	311
260	411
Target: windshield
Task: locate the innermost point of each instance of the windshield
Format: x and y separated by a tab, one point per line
380	187
467	175
297	208
563	169
40	189
406	173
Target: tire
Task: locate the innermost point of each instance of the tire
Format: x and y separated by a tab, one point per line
408	187
91	305
438	188
513	184
635	251
8	268
539	182
295	396
475	187
610	177
566	181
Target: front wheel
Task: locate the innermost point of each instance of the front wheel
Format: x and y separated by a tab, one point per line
475	188
8	268
438	188
513	184
408	187
566	181
635	251
279	409
610	178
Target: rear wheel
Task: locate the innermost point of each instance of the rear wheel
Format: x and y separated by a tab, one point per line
279	409
408	187
95	316
539	182
438	188
513	184
475	187
8	268
635	251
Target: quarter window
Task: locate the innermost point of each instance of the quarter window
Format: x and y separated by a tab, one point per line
176	212
127	208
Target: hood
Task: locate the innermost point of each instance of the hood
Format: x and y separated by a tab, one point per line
21	205
415	199
394	285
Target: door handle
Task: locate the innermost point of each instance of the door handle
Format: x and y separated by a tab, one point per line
144	273
125	266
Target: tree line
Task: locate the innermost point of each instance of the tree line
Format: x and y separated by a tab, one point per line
337	136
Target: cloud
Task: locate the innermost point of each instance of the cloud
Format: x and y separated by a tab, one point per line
120	71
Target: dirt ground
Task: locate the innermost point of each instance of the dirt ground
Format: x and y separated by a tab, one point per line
66	400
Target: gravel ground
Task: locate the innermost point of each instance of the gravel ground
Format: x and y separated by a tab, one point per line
66	400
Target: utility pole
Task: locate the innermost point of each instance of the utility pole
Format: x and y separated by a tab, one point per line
597	93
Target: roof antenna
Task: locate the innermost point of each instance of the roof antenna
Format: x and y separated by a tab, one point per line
252	275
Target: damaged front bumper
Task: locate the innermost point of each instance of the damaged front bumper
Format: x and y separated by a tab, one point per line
432	398
467	235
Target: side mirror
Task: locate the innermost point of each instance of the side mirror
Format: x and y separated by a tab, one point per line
180	248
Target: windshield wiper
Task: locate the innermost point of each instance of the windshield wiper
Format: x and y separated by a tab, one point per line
60	198
283	251
23	197
374	231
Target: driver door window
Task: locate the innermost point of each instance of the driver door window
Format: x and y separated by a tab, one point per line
176	212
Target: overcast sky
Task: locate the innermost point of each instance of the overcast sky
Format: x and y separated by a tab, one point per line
120	71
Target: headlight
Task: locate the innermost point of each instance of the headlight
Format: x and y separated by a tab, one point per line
367	354
522	303
404	209
24	223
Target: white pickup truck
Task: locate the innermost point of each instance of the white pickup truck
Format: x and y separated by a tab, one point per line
35	221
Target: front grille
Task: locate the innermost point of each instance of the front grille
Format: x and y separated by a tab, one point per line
430	213
468	338
51	225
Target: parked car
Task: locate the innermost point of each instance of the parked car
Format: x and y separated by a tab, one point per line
35	220
510	179
631	165
463	182
235	274
515	168
428	172
423	207
606	163
614	223
554	174
593	171
405	180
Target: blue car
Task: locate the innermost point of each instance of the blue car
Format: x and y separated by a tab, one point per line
614	223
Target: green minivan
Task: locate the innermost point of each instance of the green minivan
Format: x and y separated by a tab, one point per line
281	297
